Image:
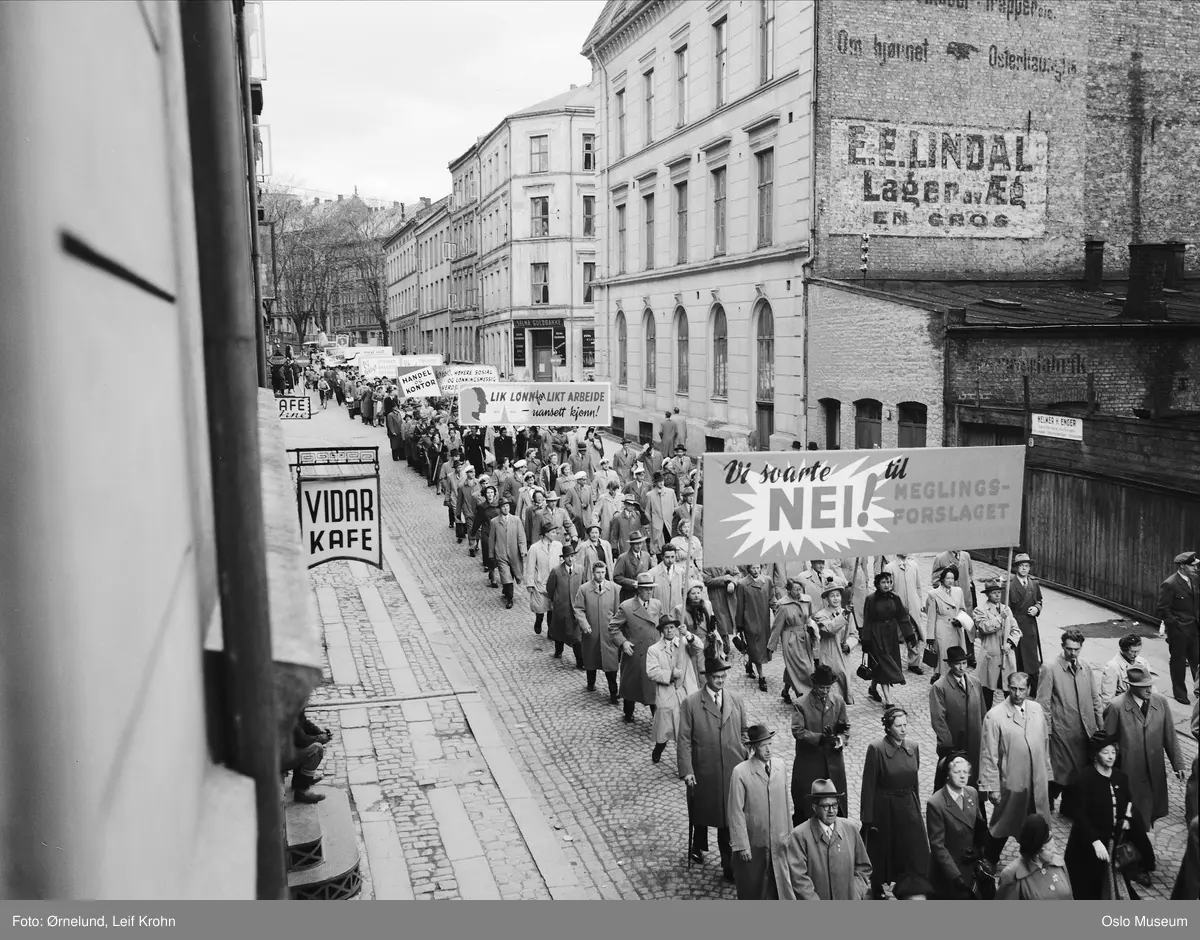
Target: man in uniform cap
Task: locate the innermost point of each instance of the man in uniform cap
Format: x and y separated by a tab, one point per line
1179	608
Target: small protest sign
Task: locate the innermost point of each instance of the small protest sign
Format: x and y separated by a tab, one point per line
420	383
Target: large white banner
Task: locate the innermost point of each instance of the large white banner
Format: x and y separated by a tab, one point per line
937	180
544	404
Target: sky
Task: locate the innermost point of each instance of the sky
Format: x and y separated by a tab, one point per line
383	94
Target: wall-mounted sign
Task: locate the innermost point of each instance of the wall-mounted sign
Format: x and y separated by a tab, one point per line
420	383
544	404
809	504
1060	426
936	180
295	407
339	514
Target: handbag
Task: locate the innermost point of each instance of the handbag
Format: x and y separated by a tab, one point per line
930	656
984	888
864	670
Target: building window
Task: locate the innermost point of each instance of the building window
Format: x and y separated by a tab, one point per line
539	154
620	239
766	40
651	350
913	418
720	56
620	109
766	196
766	353
539	213
648	86
622	351
681	86
720	354
540	283
681	351
648	215
681	218
589	151
718	180
589	216
589	275
868	424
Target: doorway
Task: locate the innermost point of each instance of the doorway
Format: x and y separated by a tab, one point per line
542	342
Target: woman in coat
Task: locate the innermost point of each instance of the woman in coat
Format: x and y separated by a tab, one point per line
695	616
884	620
821	728
1038	873
596	604
669	667
721	583
890	808
793	630
1102	804
998	636
1025	599
942	607
957	833
481	529
508	549
754	596
835	627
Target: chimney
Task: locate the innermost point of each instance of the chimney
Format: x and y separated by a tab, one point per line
1174	279
1093	264
1149	267
339	197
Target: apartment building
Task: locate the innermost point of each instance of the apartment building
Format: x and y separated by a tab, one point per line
704	111
432	235
537	240
464	257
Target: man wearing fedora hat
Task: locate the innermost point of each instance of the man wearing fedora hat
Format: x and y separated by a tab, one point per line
594	549
821	727
826	857
562	585
563	526
635	561
624	460
544	556
1025	598
760	819
712	727
998	635
638	487
635	629
1179	608
687	509
625	523
1141	721
956	714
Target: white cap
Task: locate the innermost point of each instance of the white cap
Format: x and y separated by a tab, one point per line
581	475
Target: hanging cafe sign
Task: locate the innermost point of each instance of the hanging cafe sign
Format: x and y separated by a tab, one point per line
338	500
812	504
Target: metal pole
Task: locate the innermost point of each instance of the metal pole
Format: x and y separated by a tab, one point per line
1008	582
260	335
223	224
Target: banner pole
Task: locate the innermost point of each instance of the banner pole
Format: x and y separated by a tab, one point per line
1008	580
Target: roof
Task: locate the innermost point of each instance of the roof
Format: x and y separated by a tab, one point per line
580	97
1030	303
614	12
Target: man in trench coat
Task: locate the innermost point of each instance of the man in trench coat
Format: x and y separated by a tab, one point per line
508	548
1014	763
826	857
561	587
956	714
634	630
1070	697
629	565
1141	720
596	604
712	727
760	821
1025	602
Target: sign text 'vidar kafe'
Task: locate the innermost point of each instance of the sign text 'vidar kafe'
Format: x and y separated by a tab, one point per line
763	507
337	491
545	404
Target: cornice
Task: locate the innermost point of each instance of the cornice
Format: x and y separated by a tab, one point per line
616	41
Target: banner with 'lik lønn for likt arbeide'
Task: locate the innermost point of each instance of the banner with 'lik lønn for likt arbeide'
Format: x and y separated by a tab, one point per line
544	404
765	507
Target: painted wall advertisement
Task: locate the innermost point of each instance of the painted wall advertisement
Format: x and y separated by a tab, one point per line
813	504
339	518
544	404
934	180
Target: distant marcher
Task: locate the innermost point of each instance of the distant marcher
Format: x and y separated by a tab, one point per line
562	585
1179	608
998	634
907	585
944	609
885	620
1025	599
1113	681
508	549
754	621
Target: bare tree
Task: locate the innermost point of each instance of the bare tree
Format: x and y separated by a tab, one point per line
360	233
306	259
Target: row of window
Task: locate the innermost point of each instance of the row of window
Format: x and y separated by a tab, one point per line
719	51
868	423
765	214
764	321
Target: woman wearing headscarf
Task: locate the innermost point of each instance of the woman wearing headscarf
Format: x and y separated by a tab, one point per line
835	626
1038	873
481	529
794	631
884	620
1104	818
890	807
669	667
695	616
943	607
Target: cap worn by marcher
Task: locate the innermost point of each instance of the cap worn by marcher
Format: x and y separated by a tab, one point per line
823	675
567	549
992	584
630	498
1022	557
1185	558
636	537
666	620
830	587
581	475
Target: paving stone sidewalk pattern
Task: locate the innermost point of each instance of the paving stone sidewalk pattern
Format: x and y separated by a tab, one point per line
618	821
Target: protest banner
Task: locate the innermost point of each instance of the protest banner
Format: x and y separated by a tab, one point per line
432	359
544	404
767	507
374	366
365	352
420	383
452	378
295	407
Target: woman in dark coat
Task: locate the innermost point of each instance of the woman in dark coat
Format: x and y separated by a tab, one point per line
1103	802
884	620
890	808
957	833
481	529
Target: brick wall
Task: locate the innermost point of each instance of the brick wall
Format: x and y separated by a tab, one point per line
1104	86
860	346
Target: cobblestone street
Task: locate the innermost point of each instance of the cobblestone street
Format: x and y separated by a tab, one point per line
479	766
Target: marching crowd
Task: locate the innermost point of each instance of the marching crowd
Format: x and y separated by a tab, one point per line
610	555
